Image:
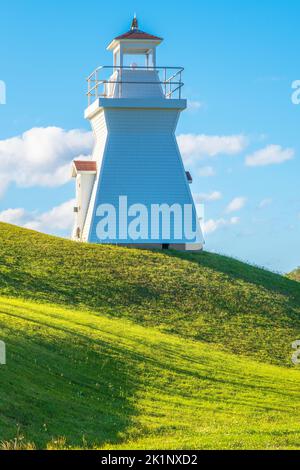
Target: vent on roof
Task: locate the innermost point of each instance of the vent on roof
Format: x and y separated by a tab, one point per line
189	177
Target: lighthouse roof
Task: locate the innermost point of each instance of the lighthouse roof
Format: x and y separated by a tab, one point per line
135	34
138	34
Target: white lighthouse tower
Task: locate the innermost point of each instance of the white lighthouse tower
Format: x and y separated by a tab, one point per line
135	190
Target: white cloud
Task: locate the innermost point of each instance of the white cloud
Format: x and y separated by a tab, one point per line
41	156
236	204
206	171
196	147
57	220
213	196
212	225
12	216
270	155
194	105
265	202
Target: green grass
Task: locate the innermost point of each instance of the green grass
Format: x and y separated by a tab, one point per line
205	297
108	383
116	348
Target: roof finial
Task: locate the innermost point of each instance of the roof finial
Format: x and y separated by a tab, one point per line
135	24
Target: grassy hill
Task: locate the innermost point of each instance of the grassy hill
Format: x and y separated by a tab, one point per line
116	348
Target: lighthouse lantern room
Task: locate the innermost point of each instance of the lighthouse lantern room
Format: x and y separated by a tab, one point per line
136	180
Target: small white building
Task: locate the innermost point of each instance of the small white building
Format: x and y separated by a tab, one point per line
136	164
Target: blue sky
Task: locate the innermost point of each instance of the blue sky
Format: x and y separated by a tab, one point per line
240	60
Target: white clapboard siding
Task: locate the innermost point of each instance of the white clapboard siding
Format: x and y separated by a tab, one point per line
99	127
141	161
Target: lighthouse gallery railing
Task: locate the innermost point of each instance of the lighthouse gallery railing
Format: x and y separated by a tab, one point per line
169	78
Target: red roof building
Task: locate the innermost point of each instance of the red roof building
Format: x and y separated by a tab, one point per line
84	166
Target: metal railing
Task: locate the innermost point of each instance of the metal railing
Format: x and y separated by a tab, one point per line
169	79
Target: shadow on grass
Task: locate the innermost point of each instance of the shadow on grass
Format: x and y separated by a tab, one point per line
58	383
